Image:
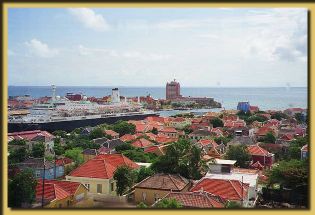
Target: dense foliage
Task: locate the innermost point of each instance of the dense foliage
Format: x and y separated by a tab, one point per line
38	150
168	203
125	178
22	188
291	174
182	158
123	127
240	154
217	122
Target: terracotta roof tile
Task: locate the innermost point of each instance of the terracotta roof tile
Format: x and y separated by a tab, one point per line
163	181
196	199
226	189
257	150
142	143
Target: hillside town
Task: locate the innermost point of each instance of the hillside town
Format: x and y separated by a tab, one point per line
243	158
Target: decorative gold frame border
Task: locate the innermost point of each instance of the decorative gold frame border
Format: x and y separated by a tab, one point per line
6	6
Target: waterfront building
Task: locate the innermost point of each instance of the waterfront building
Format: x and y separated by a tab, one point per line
173	90
243	106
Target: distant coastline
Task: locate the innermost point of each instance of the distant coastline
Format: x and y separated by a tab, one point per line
277	98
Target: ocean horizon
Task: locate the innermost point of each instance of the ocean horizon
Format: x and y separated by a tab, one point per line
277	98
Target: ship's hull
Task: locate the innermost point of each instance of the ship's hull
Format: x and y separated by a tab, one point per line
73	124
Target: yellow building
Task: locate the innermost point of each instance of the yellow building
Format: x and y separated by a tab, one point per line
158	186
97	173
60	194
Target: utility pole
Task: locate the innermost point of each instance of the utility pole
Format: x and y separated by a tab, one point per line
43	186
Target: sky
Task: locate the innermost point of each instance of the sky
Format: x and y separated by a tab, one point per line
199	47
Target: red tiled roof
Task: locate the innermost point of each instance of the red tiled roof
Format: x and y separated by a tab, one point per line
163	181
264	130
63	161
141	128
208	142
257	150
287	137
168	130
253	108
151	136
69	186
127	137
155	119
142	143
196	199
94	168
51	191
226	189
163	139
29	135
178	119
111	133
257	165
103	166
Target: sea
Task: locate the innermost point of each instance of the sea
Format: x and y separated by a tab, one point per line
272	98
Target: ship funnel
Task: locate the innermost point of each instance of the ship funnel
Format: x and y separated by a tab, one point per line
115	96
53	92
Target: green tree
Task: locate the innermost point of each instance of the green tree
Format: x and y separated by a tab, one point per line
233	204
294	151
124	147
279	116
18	142
240	154
300	141
299	117
217	122
60	133
59	150
154	130
75	154
142	205
290	174
258	118
168	203
182	158
144	173
96	133
125	178
223	140
123	127
269	138
38	150
18	155
21	189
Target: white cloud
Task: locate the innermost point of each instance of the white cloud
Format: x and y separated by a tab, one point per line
90	19
279	34
41	49
136	55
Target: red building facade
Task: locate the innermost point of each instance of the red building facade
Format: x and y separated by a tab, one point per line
173	90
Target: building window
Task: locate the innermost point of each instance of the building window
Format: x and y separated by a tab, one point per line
112	186
37	173
68	203
99	188
144	195
156	196
60	205
87	186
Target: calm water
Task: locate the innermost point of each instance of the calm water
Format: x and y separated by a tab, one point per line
265	98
